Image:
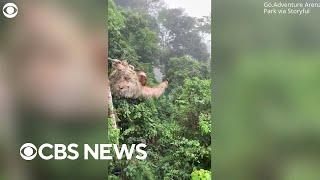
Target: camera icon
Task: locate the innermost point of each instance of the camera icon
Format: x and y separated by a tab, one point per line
10	10
28	151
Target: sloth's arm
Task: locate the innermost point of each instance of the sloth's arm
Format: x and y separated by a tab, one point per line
157	91
142	77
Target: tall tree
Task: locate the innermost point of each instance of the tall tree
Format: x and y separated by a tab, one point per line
150	6
138	31
181	34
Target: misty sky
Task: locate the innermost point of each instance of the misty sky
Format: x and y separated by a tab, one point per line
196	8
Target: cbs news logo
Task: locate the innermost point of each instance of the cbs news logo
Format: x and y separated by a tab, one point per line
10	10
29	151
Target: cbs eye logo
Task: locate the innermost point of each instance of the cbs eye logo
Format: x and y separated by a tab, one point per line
28	151
10	10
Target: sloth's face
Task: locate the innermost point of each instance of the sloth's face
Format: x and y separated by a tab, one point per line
127	85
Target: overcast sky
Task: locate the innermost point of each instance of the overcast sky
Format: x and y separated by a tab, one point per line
196	8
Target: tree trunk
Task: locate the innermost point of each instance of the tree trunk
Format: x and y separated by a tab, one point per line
111	112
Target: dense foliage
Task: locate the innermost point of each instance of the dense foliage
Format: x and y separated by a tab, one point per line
177	126
200	174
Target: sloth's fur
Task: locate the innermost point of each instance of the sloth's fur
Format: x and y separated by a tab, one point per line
128	83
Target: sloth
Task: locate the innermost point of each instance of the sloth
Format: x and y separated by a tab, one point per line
128	83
